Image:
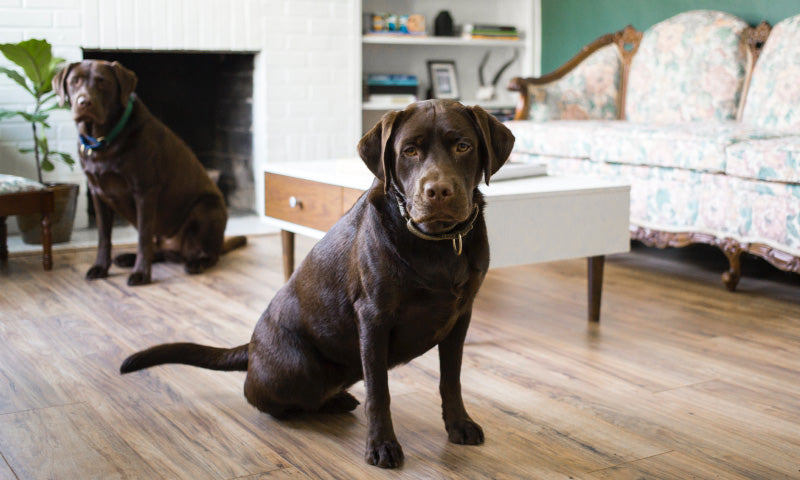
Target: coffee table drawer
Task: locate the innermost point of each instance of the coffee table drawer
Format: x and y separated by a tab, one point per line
304	202
349	197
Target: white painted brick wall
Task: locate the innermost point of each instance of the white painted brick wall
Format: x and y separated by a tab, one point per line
306	79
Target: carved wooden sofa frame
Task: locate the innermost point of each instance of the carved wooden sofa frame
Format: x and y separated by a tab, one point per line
627	42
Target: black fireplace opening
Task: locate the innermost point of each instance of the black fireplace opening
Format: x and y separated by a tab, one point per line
206	98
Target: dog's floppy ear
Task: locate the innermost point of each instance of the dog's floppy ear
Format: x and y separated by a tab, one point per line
496	138
375	150
59	83
126	80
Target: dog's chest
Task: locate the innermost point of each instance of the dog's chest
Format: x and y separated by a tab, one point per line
426	317
103	179
110	186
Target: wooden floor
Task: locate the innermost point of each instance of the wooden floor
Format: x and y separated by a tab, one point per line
681	380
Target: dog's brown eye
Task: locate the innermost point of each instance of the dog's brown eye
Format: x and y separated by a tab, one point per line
463	147
410	151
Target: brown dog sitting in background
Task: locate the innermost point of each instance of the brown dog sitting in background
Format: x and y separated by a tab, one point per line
138	167
393	278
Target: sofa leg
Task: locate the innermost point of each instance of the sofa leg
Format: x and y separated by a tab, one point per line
733	251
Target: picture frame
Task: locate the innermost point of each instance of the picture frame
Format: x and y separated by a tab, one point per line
443	78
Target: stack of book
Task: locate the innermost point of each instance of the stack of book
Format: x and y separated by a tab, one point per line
491	31
391	89
503	114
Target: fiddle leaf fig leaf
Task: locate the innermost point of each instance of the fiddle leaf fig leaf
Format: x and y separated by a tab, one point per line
65	157
47	165
17	77
35	57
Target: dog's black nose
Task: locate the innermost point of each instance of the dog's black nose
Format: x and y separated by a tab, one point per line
438	191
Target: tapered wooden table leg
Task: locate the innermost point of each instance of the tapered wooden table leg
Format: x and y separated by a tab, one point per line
3	240
287	242
47	243
595	286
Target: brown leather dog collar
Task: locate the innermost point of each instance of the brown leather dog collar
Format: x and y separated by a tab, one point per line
456	236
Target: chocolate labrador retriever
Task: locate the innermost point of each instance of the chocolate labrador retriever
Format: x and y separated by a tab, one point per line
138	167
395	277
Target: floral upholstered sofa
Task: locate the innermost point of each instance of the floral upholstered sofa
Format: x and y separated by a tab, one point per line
701	113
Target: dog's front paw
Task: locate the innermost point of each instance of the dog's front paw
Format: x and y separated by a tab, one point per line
465	432
138	278
97	271
386	454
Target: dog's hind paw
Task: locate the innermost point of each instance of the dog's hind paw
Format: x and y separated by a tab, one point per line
198	265
97	271
465	432
125	260
386	454
342	402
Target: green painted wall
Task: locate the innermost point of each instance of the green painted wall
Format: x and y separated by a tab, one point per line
568	25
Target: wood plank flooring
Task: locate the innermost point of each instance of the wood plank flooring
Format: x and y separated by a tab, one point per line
682	379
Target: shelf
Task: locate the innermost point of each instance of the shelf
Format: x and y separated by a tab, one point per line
439	41
380	106
397	106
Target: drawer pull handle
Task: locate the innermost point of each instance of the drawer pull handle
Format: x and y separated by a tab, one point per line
294	202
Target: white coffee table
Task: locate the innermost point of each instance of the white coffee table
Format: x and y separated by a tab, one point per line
529	220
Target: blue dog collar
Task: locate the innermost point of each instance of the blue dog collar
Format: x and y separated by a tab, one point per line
90	143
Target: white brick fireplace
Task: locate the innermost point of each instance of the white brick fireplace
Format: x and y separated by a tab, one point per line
306	84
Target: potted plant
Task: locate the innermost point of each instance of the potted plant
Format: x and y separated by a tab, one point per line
35	58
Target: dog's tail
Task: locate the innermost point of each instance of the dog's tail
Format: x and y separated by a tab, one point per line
232	243
226	359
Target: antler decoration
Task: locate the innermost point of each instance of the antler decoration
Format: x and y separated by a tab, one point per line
499	72
487	92
480	68
505	67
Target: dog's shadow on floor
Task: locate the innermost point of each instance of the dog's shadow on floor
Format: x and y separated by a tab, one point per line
341	425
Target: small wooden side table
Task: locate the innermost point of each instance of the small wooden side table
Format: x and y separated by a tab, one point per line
20	203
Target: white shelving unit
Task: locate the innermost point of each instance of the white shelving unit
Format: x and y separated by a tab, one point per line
390	54
429	40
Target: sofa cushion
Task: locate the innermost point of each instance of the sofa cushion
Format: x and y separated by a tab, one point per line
773	98
662	198
688	67
14	184
590	90
773	159
561	138
767	212
580	167
697	146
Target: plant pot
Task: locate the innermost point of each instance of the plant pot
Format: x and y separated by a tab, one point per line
61	220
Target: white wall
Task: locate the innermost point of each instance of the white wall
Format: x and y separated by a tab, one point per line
307	77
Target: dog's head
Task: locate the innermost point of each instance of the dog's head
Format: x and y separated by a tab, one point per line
435	153
95	89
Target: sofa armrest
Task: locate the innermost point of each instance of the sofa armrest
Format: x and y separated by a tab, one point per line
589	85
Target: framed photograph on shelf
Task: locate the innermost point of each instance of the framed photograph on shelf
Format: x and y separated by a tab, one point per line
444	83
